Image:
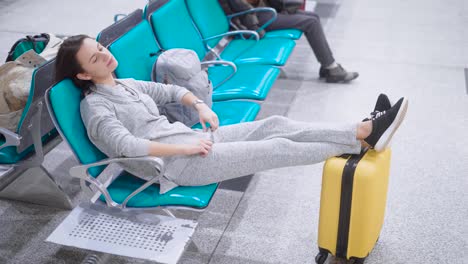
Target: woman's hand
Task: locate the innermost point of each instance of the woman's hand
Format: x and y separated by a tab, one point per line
207	116
202	148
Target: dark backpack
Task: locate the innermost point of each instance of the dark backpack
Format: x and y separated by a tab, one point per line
37	42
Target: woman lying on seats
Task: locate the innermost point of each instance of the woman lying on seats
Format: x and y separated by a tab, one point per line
122	119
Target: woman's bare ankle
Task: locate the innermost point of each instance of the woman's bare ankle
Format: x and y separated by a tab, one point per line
364	144
364	129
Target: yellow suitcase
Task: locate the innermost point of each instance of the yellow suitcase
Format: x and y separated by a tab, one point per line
352	204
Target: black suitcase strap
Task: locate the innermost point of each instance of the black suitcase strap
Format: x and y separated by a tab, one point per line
346	203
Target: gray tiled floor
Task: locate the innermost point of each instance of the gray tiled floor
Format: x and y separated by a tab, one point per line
415	48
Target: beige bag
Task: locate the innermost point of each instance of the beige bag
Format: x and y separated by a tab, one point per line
15	84
10	120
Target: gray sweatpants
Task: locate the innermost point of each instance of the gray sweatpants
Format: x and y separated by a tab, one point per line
307	22
245	148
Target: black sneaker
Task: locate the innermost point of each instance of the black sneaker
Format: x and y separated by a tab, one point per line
382	104
385	124
337	75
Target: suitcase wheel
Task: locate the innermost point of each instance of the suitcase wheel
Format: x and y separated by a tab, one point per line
321	257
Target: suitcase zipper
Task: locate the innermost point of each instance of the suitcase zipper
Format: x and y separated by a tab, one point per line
345	204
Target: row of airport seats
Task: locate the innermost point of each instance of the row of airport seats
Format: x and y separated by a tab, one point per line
245	69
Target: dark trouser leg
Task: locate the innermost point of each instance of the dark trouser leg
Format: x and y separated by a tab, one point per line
309	23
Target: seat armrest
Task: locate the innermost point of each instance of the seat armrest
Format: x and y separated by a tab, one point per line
11	138
235	32
81	172
221	62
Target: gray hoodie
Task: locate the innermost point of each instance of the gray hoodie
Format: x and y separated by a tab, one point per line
122	120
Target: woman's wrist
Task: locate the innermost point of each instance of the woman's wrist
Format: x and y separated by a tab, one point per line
200	106
183	149
197	102
165	150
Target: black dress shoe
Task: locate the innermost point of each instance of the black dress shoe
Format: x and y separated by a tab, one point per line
337	75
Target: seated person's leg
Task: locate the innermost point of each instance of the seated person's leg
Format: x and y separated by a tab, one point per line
308	145
283	127
236	159
310	24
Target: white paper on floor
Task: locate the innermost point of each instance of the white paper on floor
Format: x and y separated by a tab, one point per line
126	233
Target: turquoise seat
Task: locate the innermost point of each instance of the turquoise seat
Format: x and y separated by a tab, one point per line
211	21
24	177
133	51
133	45
284	33
230	112
173	28
10	154
125	184
271	51
64	104
249	82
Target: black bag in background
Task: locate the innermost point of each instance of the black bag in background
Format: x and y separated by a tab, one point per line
286	6
244	22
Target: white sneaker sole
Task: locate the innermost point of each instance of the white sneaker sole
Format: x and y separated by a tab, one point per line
384	140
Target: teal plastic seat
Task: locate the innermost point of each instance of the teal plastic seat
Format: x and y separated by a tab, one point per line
211	21
133	51
228	111
64	102
249	82
294	34
198	197
10	155
272	51
25	178
173	28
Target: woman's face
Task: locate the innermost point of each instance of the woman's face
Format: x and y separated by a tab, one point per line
96	61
